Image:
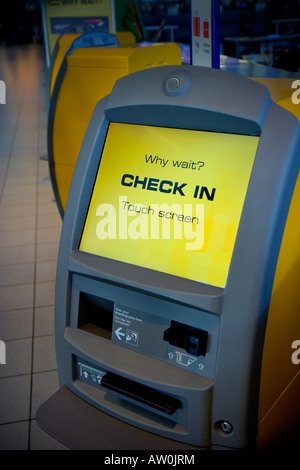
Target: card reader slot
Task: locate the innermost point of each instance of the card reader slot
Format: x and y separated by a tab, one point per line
141	393
95	315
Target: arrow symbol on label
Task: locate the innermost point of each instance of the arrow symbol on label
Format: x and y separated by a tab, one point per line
119	334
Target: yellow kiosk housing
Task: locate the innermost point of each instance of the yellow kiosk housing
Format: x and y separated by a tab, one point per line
93	38
177	306
61	48
86	76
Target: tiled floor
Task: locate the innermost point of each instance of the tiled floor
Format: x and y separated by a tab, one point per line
30	228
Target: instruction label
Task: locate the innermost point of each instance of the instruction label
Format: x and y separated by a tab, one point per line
144	333
133	329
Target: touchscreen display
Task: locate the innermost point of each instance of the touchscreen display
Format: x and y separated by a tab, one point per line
169	199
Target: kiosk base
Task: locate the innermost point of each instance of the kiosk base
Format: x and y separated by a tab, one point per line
80	426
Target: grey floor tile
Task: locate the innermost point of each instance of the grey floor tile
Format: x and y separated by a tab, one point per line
16	297
18	358
19	189
25	222
47	235
16	324
45	271
22	153
47	208
29	141
16	274
28	182
4	155
46	251
44	356
10	238
15	399
14	436
17	255
45	194
50	220
45	186
16	199
17	210
44	293
43	321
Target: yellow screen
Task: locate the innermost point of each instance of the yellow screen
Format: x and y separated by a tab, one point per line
169	199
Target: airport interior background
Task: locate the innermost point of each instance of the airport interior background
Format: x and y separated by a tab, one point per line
266	32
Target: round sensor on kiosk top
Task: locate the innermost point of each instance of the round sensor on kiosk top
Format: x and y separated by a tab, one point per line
177	83
173	83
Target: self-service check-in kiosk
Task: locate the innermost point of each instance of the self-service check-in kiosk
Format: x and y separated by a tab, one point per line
70	41
178	272
86	75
